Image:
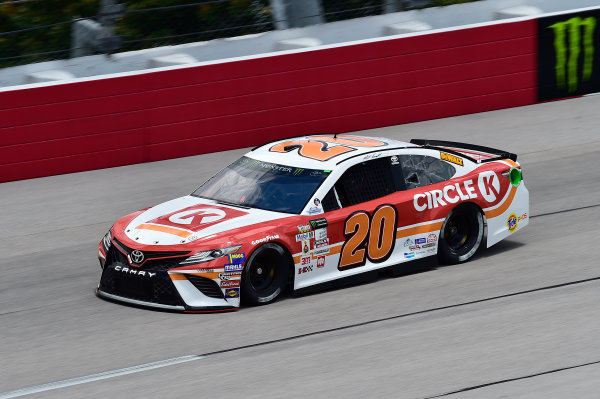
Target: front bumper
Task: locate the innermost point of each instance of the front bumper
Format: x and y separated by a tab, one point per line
157	286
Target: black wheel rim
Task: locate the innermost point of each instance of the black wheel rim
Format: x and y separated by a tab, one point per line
458	232
262	274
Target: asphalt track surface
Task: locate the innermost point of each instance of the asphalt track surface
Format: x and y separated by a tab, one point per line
521	320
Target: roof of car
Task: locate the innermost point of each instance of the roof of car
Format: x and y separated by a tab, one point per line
322	151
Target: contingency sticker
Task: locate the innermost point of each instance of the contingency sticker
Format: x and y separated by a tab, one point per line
451	158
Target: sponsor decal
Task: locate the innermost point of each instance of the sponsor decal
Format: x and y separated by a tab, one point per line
512	222
567	55
305	260
266	239
319	246
321	261
394	160
321	243
409	254
209	270
314	210
428	245
431	250
451	158
317	202
318	223
228	276
232	293
236	267
408	242
195	218
321	233
305	236
420	240
237	258
487	183
305	246
303	228
305	269
414	247
136	256
422	252
208	215
321	251
522	217
230	284
432	238
135	272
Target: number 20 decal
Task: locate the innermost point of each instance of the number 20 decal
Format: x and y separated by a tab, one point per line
317	146
368	237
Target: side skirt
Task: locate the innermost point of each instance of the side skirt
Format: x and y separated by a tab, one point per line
402	269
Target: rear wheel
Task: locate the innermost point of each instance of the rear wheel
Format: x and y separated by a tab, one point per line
265	275
461	234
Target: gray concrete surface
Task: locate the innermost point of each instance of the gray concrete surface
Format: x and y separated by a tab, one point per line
543	344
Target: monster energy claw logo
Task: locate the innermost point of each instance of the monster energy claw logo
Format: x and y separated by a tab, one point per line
567	59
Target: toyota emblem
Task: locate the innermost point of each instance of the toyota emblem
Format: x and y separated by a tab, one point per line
137	256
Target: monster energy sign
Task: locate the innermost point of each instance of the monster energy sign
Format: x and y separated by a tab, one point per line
568	61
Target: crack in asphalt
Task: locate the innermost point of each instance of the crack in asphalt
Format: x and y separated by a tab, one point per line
400	316
564	211
474	387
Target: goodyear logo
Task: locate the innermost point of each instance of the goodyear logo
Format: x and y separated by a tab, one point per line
237	258
451	158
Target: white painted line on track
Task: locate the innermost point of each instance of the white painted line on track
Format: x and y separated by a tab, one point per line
96	377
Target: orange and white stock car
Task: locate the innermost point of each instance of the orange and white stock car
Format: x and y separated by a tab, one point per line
306	211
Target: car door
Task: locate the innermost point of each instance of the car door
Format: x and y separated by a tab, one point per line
356	232
369	218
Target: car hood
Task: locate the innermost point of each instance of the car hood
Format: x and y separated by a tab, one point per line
187	219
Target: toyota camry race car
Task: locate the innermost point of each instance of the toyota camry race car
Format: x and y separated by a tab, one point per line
307	211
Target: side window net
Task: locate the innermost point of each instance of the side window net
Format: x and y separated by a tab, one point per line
365	181
423	170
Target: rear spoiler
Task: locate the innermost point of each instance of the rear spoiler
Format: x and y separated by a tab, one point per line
455	147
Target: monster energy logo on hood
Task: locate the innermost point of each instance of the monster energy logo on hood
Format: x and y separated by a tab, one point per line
567	58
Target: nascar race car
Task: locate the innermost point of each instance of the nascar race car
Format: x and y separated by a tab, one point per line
308	211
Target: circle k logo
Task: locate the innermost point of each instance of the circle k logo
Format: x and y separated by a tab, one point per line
209	215
489	185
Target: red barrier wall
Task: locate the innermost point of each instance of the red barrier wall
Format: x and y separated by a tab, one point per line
158	115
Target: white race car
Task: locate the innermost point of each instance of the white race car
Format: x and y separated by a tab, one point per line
308	211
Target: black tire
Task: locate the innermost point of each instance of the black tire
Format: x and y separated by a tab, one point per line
265	275
461	234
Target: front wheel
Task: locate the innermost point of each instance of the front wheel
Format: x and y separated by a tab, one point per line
461	234
265	275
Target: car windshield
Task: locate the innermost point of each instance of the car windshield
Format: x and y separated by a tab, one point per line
264	185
